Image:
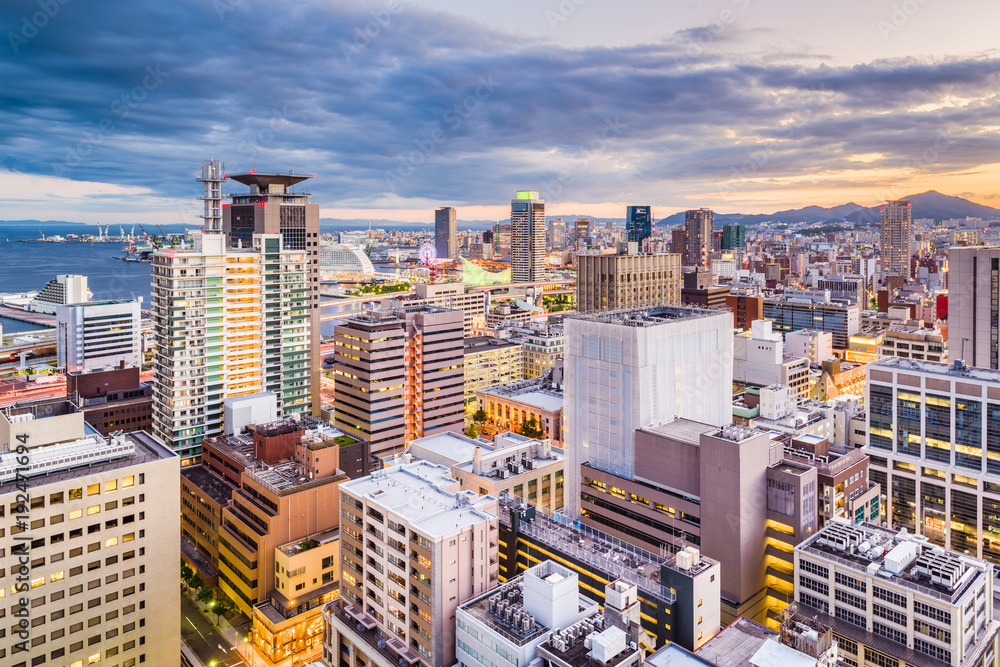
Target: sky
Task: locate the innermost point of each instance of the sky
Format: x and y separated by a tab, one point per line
398	107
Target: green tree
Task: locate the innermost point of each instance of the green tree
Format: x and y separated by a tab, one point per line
471	431
221	607
479	416
530	429
195	581
206	595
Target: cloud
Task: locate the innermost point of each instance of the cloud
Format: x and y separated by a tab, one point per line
387	103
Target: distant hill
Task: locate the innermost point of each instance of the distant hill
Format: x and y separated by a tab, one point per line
933	204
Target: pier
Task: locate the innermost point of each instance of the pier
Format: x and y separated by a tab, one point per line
39	319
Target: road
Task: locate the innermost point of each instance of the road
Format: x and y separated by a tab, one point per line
202	638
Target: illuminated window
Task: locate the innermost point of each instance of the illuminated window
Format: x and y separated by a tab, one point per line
75	514
111	541
128	537
128	481
93	489
40	581
57	576
110	485
75	494
93	509
94	659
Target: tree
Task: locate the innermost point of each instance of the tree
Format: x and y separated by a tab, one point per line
221	607
479	416
529	429
186	571
471	431
195	581
206	595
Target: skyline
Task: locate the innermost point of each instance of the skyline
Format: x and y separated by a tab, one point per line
716	104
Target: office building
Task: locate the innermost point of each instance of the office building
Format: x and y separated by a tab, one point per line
501	239
511	464
557	234
456	296
638	224
400	375
506	314
914	342
698	236
747	305
815	346
974	306
934	446
702	291
97	334
895	236
414	548
272	207
760	359
60	291
581	234
260	517
628	369
678	594
490	362
626	279
892	599
112	399
850	288
510	405
527	237
100	539
793	312
227	322
446	232
734	237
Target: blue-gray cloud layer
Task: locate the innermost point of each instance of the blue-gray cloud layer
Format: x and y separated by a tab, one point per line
393	99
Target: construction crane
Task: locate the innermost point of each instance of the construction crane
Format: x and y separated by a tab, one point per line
171	240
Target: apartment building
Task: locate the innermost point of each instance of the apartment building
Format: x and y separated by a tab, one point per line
97	334
61	290
414	548
97	531
627	279
506	314
894	600
527	237
895	237
747	305
227	322
934	444
677	596
760	359
508	406
400	375
792	312
113	399
510	464
490	362
698	224
261	513
541	346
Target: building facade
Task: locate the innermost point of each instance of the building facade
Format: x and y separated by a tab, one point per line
734	237
490	362
227	322
527	237
272	207
446	232
510	405
400	375
974	306
97	334
895	236
626	279
791	313
698	225
99	525
638	224
112	399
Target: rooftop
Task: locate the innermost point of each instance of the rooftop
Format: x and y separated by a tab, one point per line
476	344
263	180
537	392
647	317
612	642
736	644
949	370
92	455
900	558
296	547
683	430
416	492
213	486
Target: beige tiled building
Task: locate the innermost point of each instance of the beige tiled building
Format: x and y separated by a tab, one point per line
414	547
99	538
627	279
510	405
490	362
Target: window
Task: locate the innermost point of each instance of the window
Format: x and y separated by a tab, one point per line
93	509
75	514
110	485
93	490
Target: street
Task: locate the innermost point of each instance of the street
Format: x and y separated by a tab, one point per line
201	637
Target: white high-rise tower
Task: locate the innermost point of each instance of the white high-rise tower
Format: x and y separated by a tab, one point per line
212	175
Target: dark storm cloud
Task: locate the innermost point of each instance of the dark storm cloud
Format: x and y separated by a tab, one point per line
391	98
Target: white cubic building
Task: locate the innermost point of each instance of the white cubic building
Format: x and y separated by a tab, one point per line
61	290
97	334
630	369
815	346
760	358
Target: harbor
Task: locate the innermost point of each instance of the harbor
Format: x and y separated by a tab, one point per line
38	319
